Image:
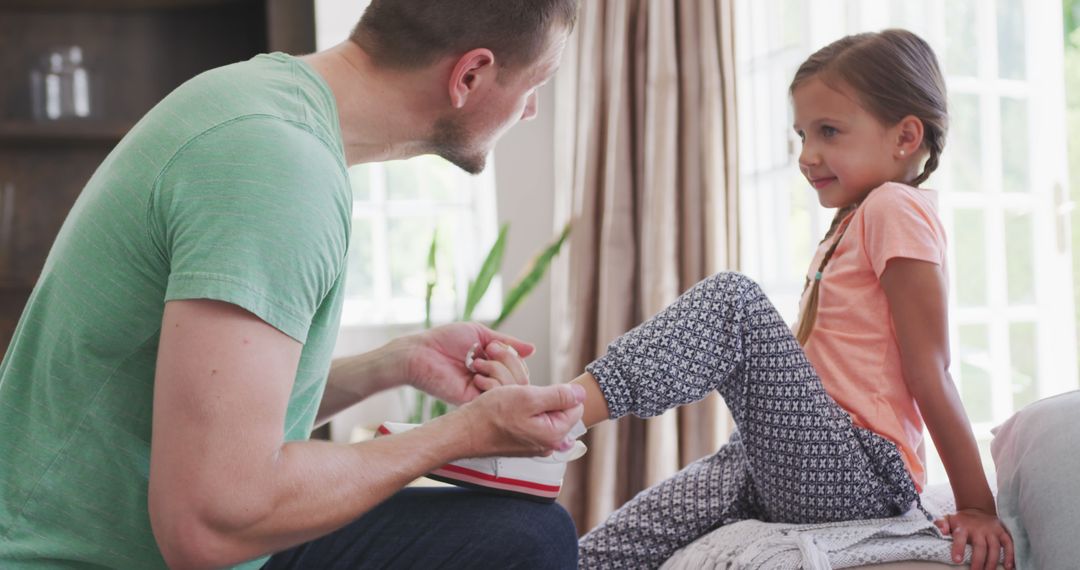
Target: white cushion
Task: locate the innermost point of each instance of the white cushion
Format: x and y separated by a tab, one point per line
1037	454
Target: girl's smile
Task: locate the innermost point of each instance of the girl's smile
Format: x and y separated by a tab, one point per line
819	183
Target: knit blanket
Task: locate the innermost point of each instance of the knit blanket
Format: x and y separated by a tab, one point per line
775	546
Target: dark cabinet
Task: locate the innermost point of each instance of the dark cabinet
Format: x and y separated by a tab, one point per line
132	53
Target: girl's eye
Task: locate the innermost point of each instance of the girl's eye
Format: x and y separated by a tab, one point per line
829	132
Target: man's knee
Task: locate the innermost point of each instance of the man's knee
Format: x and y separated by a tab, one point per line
539	536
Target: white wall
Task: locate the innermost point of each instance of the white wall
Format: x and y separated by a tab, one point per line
524	181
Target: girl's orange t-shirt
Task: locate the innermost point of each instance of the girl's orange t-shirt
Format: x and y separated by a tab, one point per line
853	345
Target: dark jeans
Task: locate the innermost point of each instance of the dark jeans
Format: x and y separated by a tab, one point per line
444	528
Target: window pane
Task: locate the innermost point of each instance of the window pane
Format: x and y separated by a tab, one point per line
1022	356
975	373
1014	145
424	177
757	159
970	258
360	178
964	152
985	455
791	22
910	16
444	298
799	228
1011	45
1020	257
360	279
409	239
960	40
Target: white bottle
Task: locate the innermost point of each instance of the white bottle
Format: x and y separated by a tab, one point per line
53	88
80	84
66	85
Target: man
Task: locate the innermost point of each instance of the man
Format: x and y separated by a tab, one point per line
156	399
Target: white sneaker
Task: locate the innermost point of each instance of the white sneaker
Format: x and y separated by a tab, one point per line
536	478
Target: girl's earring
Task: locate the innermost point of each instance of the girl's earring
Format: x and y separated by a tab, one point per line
902	152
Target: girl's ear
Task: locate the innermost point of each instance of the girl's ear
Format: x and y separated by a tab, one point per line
909	136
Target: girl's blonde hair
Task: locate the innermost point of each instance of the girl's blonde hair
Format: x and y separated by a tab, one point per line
893	74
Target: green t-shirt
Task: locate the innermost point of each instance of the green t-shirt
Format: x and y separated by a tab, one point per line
233	188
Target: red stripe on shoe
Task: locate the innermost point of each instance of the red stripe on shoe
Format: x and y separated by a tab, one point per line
504	480
480	478
465	480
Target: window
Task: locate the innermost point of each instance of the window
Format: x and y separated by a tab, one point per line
1002	179
397	208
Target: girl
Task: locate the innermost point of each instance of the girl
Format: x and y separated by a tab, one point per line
829	418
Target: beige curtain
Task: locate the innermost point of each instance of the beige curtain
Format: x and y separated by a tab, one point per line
646	172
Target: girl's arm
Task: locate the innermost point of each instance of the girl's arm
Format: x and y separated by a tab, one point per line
916	291
596	407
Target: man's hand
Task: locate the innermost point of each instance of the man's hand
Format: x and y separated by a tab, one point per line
435	361
522	421
986	534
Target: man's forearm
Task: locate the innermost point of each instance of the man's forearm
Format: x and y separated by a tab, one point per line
308	490
354	378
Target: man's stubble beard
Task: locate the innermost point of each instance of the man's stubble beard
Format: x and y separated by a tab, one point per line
451	141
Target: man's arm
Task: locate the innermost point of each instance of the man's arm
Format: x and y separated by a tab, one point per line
353	379
225	486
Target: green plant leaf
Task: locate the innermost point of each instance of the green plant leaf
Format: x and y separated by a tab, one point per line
488	270
432	277
532	275
421	404
438	408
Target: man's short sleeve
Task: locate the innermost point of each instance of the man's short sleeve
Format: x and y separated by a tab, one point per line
255	213
897	224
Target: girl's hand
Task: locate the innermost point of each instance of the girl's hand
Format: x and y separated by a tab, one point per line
435	361
986	534
499	365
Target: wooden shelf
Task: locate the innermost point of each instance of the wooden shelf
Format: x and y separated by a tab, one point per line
7	286
103	5
72	131
136	52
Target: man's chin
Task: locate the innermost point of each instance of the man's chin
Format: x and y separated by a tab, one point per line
453	142
471	163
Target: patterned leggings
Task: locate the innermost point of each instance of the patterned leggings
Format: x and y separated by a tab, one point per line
796	456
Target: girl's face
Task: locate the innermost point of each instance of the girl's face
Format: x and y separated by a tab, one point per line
846	151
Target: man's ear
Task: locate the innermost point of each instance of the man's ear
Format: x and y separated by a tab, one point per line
909	134
470	71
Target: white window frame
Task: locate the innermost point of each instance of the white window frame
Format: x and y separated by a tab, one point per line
477	230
